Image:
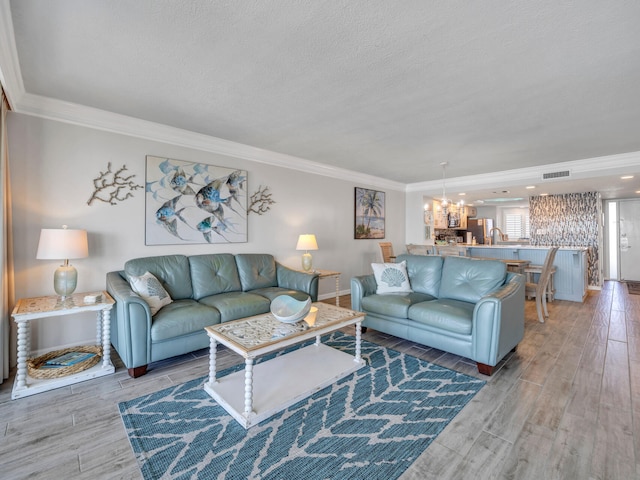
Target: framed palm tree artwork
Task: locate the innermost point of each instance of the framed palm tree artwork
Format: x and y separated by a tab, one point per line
369	214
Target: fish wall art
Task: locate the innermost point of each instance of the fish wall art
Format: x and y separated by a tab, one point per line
189	203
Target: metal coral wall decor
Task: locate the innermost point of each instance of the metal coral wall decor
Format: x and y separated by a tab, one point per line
188	203
260	201
113	187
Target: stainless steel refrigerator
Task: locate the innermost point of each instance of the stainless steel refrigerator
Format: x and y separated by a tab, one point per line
479	228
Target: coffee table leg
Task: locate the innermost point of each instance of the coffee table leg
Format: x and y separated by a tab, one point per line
213	346
248	387
358	358
317	340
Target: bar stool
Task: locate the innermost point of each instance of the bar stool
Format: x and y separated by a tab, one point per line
386	249
539	289
537	270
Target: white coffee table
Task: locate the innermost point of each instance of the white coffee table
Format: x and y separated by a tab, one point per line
260	391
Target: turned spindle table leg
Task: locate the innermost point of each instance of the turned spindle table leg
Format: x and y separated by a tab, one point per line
213	346
23	346
248	387
106	338
99	328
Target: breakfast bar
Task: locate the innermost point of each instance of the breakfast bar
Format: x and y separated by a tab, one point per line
570	277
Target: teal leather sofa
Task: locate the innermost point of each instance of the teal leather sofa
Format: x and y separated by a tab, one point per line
206	290
472	308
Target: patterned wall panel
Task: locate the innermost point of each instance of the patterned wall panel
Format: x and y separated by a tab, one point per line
569	220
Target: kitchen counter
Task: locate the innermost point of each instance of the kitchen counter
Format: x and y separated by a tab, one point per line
523	247
570	279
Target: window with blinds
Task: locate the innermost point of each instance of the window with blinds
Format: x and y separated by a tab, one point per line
517	225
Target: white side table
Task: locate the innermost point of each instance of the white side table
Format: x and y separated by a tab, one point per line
328	274
28	309
332	274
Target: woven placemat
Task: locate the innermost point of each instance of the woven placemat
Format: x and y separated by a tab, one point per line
34	364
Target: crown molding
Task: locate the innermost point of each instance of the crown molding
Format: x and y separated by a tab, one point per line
81	115
585	168
58	110
10	74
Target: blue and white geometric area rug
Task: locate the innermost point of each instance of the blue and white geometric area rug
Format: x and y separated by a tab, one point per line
372	424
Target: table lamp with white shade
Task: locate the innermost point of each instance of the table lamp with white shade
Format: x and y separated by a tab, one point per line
307	242
63	244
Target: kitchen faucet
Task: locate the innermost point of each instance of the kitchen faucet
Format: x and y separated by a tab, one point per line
502	235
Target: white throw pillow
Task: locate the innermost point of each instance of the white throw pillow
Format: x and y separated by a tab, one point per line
151	290
392	277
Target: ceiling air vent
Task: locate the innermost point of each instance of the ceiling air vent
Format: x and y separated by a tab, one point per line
550	175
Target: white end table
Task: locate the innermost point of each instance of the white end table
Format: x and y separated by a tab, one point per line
28	309
328	274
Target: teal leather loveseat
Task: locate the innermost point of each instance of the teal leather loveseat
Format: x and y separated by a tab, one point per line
205	290
472	308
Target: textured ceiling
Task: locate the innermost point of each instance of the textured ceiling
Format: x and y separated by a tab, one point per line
391	89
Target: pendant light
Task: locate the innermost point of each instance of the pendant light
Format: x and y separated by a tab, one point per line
444	202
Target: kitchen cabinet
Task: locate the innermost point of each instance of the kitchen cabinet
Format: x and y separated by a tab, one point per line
439	221
461	214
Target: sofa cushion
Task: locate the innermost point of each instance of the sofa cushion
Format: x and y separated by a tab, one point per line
171	270
182	317
424	272
446	314
234	305
469	280
393	304
214	273
256	270
151	290
391	277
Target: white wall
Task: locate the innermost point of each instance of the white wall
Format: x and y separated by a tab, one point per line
53	165
488	212
414	230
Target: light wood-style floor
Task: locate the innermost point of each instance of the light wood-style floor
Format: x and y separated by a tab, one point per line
566	405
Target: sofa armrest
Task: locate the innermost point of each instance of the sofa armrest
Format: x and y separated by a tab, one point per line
362	286
498	321
295	280
130	322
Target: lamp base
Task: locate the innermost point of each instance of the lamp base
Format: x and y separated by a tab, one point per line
65	280
306	262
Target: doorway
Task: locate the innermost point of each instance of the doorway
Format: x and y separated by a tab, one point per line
623	240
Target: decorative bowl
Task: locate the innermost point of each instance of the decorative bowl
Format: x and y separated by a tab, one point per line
289	310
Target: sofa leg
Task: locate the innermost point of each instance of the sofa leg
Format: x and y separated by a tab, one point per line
137	371
514	348
485	369
363	329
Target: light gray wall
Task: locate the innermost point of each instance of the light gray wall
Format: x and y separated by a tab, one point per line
487	212
53	165
414	219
